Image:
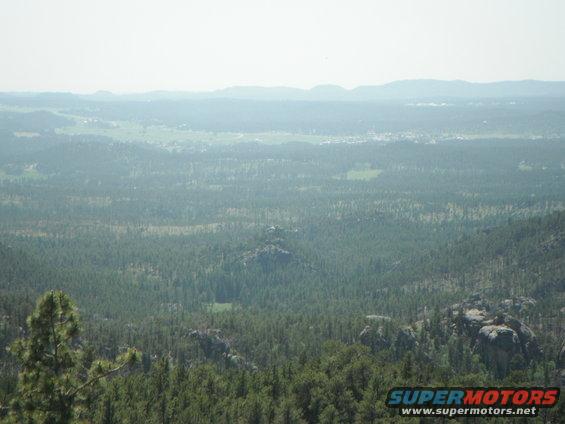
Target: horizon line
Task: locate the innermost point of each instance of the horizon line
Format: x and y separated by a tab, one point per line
213	90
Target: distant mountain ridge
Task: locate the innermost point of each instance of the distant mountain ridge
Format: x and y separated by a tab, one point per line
397	90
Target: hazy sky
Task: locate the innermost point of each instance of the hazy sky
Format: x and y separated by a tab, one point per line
140	45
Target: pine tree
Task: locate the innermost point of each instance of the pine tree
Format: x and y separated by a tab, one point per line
52	382
287	413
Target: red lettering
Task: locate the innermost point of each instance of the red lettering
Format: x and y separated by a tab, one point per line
473	397
520	397
505	396
535	397
490	397
550	397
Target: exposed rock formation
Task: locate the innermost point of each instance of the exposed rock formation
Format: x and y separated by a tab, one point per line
239	362
268	256
517	304
374	339
473	320
378	318
405	341
529	345
475	301
503	342
497	336
217	348
497	344
211	343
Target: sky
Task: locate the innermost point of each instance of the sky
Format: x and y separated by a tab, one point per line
195	45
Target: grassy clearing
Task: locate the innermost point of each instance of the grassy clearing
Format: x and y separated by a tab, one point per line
524	167
130	131
163	135
26	134
365	174
219	307
27	174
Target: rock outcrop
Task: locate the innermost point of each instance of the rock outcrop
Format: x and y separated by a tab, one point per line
239	362
219	349
378	318
473	320
497	344
503	342
374	339
517	305
268	256
405	341
529	345
496	335
475	301
211	343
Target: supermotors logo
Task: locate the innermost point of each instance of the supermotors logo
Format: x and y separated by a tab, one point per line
472	401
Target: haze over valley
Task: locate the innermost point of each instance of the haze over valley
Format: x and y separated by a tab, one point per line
187	240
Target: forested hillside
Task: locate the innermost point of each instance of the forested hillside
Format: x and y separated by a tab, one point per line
279	276
487	263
